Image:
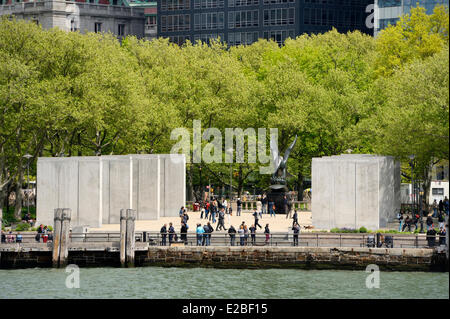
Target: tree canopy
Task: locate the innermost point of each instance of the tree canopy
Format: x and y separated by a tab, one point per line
69	94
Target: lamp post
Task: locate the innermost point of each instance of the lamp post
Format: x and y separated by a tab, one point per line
28	156
201	185
230	151
411	163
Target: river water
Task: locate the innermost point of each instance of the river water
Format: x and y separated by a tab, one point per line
166	283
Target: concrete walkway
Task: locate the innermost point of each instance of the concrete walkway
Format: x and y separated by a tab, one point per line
276	224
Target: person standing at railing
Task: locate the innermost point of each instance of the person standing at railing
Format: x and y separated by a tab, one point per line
232	234
267	233
241	235
239	207
183	233
208	235
199	231
253	234
163	233
171	233
3	241
296	229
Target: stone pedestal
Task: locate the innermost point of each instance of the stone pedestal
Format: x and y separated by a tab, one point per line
276	194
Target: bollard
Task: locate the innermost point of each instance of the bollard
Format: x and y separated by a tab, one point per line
65	236
56	237
131	217
123	238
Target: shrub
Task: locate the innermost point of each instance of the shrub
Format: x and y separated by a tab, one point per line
23	227
363	230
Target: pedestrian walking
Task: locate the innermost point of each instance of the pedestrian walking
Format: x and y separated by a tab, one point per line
255	214
221	223
435	209
429	223
207	206
264	204
286	207
441	220
295	218
272	209
239	207
400	220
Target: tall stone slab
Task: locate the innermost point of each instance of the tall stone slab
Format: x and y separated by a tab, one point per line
149	191
354	190
89	192
97	188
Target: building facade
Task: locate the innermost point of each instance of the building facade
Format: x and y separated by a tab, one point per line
388	11
245	21
115	16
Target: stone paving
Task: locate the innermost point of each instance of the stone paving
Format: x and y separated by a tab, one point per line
276	224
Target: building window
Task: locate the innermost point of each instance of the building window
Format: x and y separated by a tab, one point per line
151	20
280	16
177	22
121	30
243	19
98	27
204	4
437	191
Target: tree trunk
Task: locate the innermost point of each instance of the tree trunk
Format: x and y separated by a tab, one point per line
426	185
240	182
191	195
18	204
300	186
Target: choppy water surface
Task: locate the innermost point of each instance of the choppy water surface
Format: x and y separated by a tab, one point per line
156	282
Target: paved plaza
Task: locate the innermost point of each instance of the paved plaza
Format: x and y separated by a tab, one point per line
276	224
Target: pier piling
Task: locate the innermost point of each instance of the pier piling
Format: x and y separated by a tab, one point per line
65	236
130	246
123	237
56	237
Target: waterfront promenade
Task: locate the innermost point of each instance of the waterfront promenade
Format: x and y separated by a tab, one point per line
277	224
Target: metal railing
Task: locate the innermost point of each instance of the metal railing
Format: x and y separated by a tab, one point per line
278	239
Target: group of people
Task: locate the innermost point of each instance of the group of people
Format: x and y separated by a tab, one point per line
211	209
10	238
43	232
